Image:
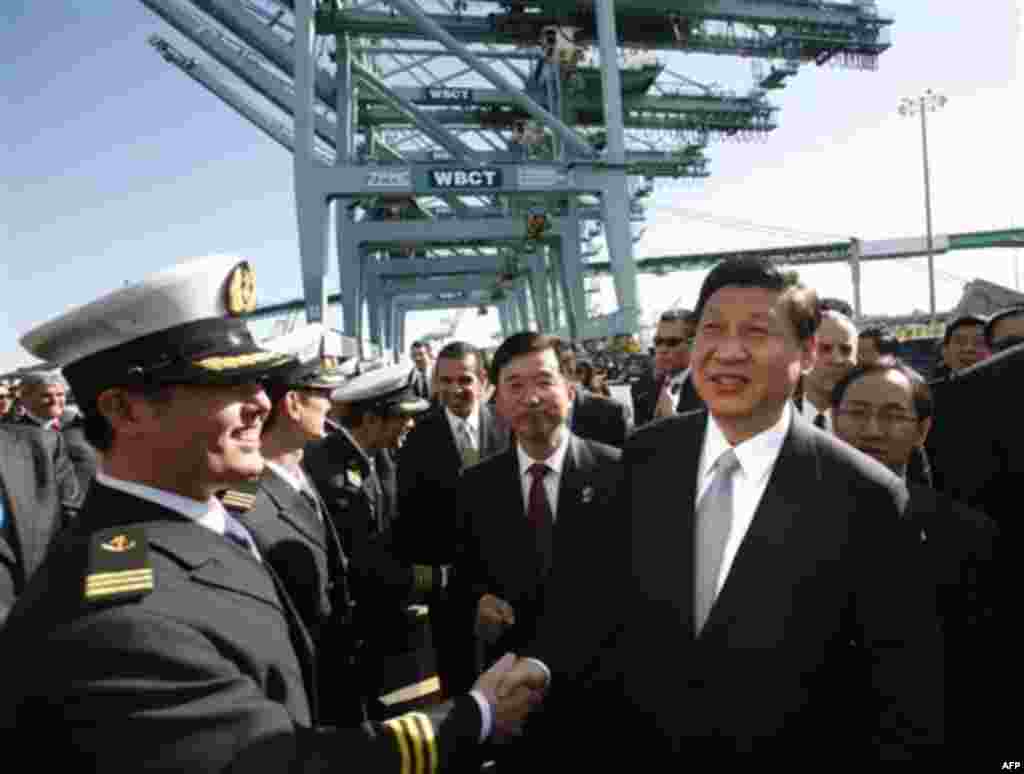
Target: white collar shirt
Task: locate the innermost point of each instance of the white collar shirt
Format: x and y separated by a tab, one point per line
553	480
471	423
210	513
810	413
757	457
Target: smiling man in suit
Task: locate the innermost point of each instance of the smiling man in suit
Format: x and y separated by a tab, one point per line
520	509
458	433
754	598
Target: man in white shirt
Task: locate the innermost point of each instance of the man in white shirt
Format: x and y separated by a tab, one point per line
750	584
835	357
169	644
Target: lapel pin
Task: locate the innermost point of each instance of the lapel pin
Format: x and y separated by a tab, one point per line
587	494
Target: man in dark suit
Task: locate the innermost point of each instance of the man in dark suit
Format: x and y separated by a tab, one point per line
423	358
521	509
44	395
668	389
504	556
460	432
752	591
168	643
39	495
885	410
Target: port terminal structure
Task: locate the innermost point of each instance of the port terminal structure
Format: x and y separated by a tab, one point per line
463	153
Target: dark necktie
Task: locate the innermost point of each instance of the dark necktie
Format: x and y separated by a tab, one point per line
239	535
819	421
538	513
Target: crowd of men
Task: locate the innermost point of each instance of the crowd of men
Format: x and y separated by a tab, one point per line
236	555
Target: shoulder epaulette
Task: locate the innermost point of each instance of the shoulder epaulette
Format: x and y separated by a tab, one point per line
417	744
119	568
241	498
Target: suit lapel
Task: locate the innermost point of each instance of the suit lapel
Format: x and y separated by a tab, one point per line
294	508
663	530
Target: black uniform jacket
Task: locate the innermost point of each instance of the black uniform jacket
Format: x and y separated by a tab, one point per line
40	495
200	666
820	639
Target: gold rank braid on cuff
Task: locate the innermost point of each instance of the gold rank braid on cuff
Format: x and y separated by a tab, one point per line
396	728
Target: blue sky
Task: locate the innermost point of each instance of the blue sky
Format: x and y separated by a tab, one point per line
117	165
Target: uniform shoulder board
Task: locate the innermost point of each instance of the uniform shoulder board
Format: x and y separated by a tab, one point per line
241	498
417	745
119	568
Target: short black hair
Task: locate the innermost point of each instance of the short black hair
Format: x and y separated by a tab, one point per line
750	272
679	315
920	392
885	342
1002	314
525	343
460	350
960	322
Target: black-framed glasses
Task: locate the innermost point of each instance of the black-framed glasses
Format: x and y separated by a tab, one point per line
888	419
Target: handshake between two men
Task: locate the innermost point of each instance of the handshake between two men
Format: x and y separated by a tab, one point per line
513	686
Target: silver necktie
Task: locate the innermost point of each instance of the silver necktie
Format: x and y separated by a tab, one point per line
713	525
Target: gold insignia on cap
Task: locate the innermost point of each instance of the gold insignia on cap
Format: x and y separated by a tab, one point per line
241	290
118	544
230	362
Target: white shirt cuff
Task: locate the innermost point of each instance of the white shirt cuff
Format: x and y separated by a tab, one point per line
486	714
544	668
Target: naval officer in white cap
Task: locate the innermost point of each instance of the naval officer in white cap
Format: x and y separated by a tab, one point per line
153	637
349	470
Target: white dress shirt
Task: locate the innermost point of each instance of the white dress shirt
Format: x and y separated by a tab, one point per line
675	384
757	457
472	423
210	513
553	480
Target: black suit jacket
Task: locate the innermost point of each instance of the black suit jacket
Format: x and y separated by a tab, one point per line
598	418
40	495
499	552
207	672
83	455
429	467
959	550
819	639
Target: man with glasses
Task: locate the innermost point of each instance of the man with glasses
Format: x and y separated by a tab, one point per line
669	390
885	410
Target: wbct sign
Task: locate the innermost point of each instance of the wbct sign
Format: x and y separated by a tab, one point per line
464	178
